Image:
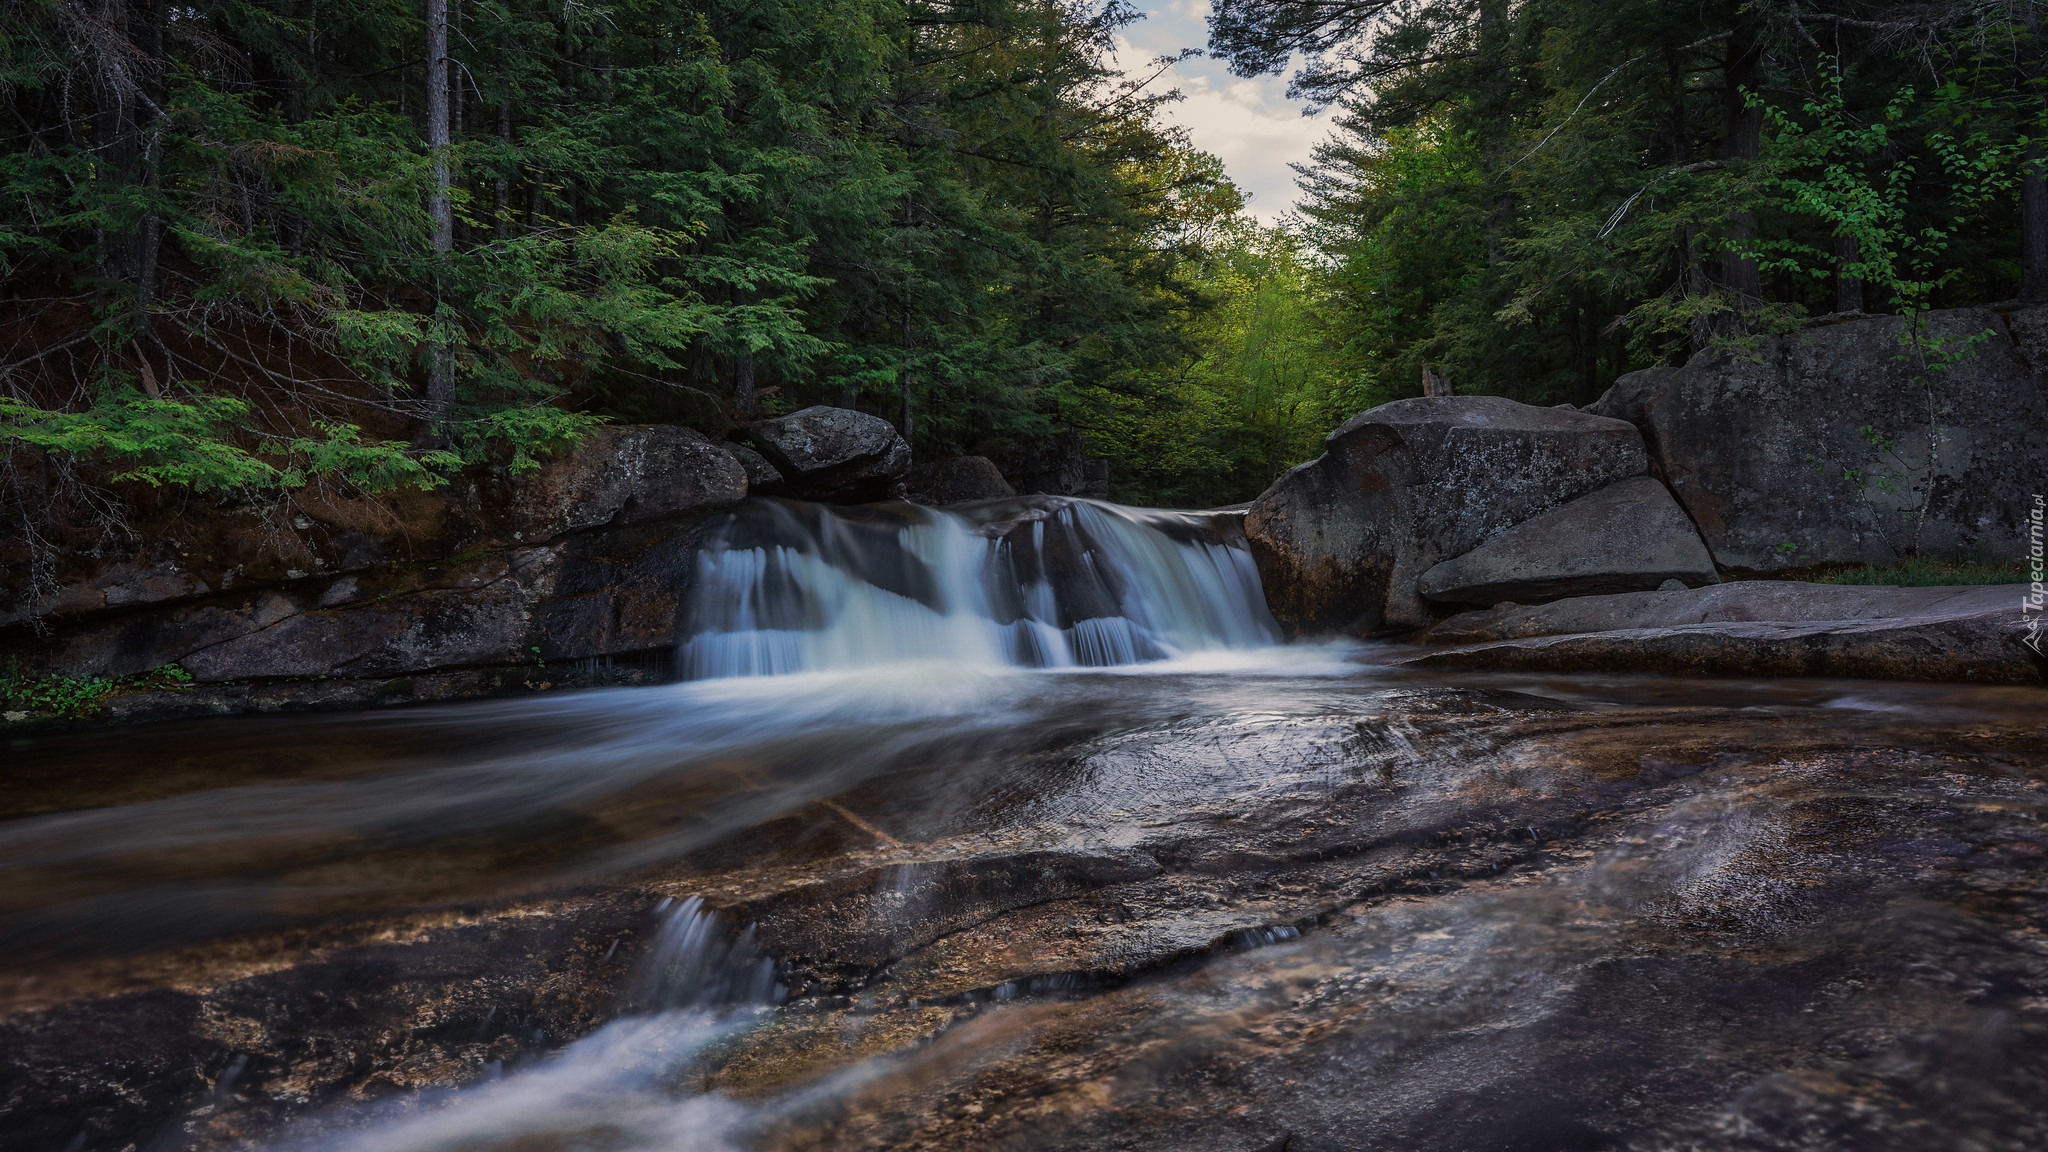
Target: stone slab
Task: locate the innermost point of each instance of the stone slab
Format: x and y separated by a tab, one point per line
1757	628
1627	537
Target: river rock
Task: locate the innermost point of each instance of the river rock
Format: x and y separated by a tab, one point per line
2028	328
1626	537
957	480
1758	628
604	595
1055	465
834	454
1343	540
182	547
761	475
1825	445
623	475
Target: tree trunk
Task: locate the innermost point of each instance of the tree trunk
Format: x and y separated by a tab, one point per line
1848	285
1679	126
1741	141
906	423
440	358
2034	227
743	395
1587	388
501	190
1496	119
2033	186
144	241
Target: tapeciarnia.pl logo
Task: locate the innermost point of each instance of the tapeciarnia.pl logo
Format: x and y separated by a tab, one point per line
2036	600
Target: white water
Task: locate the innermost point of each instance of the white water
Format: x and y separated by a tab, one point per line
696	963
784	587
620	1088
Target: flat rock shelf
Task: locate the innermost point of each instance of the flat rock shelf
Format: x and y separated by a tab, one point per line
1300	904
1756	628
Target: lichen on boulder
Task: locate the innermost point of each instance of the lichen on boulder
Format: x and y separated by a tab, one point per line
1849	443
957	480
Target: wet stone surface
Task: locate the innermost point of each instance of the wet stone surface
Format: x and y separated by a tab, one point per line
1340	910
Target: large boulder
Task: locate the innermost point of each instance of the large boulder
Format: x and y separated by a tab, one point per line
1836	444
834	454
761	475
1343	540
1627	537
183	546
1056	465
622	475
957	480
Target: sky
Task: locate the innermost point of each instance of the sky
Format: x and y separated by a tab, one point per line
1250	124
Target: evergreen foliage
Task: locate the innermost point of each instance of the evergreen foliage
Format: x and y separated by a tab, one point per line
232	263
227	265
1533	198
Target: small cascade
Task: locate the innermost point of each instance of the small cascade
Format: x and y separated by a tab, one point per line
698	962
1038	582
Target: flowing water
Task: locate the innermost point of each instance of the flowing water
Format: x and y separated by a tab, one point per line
785	587
1020	828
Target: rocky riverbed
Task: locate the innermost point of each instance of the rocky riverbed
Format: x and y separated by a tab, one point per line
1305	901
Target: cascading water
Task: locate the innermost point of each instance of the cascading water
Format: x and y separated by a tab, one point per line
697	963
1043	582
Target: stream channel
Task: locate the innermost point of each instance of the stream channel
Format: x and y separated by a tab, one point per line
1023	830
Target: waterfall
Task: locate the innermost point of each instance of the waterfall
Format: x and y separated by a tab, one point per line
1038	582
697	962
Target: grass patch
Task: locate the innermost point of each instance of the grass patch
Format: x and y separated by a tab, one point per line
75	697
1918	573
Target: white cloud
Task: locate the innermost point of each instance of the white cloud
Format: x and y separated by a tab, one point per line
1255	135
1249	124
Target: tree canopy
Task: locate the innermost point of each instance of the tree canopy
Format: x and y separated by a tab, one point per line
1535	197
257	243
251	245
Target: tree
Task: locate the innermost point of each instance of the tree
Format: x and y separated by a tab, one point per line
441	211
1610	158
1250	394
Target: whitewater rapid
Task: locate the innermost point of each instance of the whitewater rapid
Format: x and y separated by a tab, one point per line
782	587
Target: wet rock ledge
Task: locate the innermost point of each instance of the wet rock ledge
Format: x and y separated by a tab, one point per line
1756	628
1479	916
498	582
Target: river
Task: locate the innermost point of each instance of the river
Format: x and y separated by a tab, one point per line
1022	829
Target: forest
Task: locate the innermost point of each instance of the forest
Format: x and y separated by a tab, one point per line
254	245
